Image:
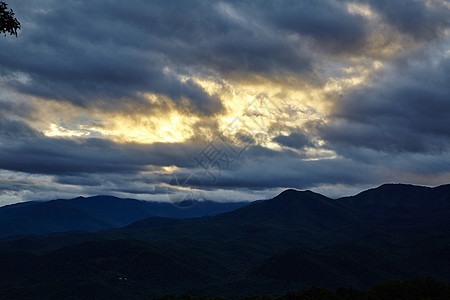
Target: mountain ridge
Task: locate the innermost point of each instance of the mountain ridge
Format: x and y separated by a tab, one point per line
105	212
95	213
295	240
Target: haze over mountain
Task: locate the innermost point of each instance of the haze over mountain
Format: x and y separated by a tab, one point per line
296	240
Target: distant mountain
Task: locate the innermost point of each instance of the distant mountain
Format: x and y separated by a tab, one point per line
401	204
95	213
294	241
300	209
290	217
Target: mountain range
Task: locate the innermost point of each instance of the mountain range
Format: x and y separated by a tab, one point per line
96	213
296	240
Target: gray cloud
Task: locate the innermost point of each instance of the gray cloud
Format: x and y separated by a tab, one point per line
11	129
296	140
404	111
76	52
283	172
421	20
23	149
327	22
102	52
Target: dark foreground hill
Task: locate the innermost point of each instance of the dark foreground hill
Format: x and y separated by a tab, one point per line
416	289
96	213
293	241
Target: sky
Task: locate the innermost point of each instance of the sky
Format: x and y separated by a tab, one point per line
223	100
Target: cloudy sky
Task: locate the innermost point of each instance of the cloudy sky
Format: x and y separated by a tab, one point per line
224	100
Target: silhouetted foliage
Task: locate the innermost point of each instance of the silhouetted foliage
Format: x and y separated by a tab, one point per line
9	24
416	289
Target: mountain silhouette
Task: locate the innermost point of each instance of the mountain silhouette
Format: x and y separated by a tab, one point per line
95	213
296	240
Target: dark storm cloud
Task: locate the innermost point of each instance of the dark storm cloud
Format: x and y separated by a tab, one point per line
416	18
114	182
24	150
327	22
11	129
296	140
82	179
101	53
97	52
88	53
284	171
405	110
22	110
